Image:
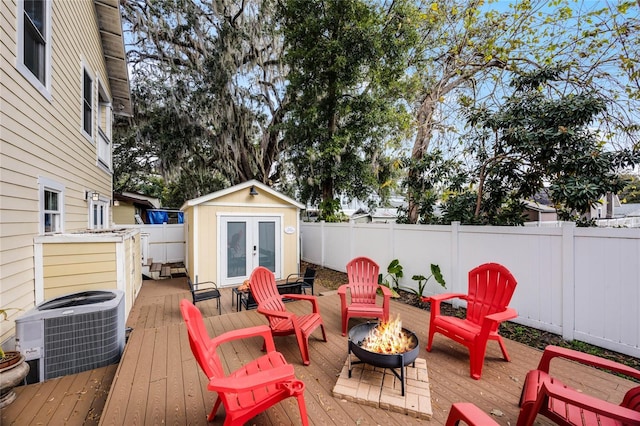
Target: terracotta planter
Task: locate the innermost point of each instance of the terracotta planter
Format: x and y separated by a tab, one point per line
10	358
11	376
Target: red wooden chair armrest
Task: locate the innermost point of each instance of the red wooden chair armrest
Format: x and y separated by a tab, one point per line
499	317
243	333
551	352
342	289
437	298
386	292
278	314
470	414
252	381
309	298
577	399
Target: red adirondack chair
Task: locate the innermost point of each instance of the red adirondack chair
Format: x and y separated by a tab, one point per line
491	287
358	297
282	322
546	395
252	388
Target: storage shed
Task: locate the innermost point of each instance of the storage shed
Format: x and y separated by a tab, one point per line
230	232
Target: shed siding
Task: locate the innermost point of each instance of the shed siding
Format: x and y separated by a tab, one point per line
41	137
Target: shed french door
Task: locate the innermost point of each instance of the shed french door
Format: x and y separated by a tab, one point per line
248	242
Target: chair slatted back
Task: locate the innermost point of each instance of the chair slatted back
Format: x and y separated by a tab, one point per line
206	356
491	287
265	292
309	276
362	273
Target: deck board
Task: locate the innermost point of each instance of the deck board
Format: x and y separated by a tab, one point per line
158	380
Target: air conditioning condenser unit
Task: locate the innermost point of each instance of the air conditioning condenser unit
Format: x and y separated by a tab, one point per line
72	333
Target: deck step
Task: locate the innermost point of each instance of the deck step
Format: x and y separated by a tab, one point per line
165	271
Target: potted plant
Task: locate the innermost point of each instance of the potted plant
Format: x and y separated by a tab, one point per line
13	370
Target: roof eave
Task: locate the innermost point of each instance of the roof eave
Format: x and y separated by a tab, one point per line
111	35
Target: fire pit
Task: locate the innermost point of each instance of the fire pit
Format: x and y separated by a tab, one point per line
371	343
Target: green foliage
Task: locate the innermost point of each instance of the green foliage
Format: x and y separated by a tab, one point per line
392	278
540	139
207	84
4	316
347	60
631	191
330	211
431	174
423	281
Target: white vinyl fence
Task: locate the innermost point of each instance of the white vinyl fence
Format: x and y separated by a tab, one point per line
163	243
581	283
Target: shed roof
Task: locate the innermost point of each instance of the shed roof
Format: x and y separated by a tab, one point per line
239	187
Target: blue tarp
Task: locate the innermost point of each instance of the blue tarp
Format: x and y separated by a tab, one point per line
158	217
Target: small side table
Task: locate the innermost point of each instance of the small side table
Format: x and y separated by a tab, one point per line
237	295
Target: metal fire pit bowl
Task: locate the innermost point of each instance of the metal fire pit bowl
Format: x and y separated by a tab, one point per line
392	361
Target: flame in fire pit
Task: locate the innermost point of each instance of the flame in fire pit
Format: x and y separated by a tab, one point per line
389	338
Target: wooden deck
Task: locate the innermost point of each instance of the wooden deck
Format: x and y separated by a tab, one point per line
158	381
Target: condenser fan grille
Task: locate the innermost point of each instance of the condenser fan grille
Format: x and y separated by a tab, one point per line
92	337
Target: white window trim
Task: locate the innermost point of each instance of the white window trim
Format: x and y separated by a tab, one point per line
51	185
106	203
89	137
44	89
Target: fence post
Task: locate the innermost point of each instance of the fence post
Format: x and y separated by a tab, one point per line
322	238
456	267
568	280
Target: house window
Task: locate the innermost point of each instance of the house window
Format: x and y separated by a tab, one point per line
87	103
98	215
51	206
35	38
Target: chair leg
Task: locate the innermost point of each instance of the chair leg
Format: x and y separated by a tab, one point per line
303	410
324	335
476	361
504	349
212	415
345	322
303	344
430	340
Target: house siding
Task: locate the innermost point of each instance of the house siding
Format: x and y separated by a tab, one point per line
41	137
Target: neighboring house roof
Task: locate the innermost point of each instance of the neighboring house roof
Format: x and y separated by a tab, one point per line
259	186
628	210
110	24
539	207
136	198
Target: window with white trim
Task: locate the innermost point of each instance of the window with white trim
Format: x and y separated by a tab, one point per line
99	214
51	206
33	43
87	103
34	48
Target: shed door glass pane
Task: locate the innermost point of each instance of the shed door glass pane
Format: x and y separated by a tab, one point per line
236	249
267	245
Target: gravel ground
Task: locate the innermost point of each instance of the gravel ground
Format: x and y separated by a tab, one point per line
529	336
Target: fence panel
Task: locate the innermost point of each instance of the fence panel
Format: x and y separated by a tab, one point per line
581	283
166	243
